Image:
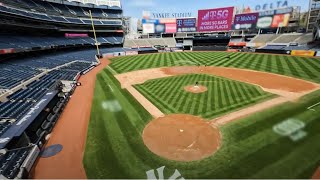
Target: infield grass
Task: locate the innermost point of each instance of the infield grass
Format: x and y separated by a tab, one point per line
300	67
250	148
223	95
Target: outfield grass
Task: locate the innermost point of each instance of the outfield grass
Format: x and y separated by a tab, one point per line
250	148
223	95
301	67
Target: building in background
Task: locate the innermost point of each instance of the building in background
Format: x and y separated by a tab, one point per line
314	12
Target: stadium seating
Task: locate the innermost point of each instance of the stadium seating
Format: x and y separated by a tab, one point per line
128	43
57	9
283	38
286	38
16	71
11	161
11	75
306	38
25	42
170	42
181	35
264	38
154	42
47	11
142	42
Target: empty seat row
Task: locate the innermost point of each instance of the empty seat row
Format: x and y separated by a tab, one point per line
57	9
24	42
14	110
11	162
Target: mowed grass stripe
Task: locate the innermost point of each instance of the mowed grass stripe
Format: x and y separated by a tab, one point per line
184	104
162	106
174	98
305	68
223	95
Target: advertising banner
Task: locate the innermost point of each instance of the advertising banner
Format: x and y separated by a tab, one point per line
160	28
148	28
187	25
237	44
280	20
245	21
302	53
171	28
264	22
250	18
150	21
168	21
215	19
75	35
284	10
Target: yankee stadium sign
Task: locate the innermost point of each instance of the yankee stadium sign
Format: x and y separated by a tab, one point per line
161	15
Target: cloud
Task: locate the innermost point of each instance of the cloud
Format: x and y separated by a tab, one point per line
142	3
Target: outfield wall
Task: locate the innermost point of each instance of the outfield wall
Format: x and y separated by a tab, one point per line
273	51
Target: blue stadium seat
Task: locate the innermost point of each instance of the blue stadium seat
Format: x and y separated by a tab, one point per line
11	162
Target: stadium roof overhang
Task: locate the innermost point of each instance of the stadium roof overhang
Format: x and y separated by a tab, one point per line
110	3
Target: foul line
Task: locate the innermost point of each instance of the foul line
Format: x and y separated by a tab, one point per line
113	71
311	107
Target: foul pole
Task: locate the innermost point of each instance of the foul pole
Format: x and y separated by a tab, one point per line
94	33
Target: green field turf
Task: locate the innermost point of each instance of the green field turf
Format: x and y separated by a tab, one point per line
223	95
301	67
250	148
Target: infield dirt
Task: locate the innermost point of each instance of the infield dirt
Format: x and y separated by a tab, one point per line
181	137
196	89
316	174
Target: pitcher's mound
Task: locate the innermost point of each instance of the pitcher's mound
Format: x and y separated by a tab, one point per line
181	137
196	89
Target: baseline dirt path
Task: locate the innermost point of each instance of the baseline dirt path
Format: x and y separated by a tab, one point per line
288	88
71	132
262	79
154	111
316	174
247	111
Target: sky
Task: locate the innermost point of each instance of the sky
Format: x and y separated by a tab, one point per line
134	8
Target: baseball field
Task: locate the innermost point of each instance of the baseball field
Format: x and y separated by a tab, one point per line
199	115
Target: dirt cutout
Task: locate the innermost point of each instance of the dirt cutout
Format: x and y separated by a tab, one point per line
71	132
181	137
196	89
